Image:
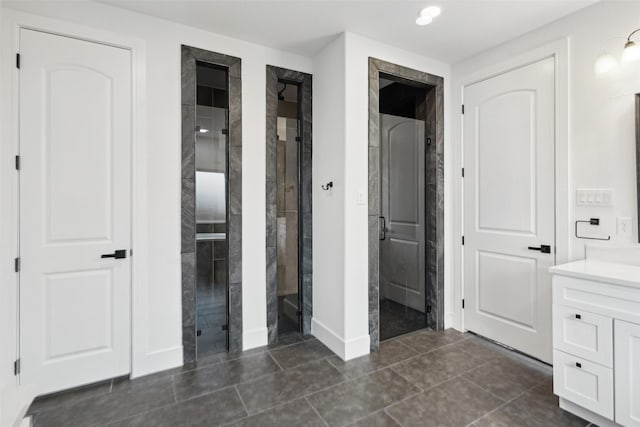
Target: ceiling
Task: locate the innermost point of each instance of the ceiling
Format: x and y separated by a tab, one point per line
464	28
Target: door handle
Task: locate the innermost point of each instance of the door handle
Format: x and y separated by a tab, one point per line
545	249
383	228
118	254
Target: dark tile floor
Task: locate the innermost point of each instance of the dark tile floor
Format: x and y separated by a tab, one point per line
422	379
398	319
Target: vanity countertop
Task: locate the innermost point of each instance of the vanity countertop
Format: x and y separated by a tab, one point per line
602	271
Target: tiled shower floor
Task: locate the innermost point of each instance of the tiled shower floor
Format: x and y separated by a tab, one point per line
423	379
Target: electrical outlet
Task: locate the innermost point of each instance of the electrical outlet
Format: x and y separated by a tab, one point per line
624	226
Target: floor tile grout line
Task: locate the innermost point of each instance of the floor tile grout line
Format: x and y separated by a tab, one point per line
173	386
241	400
274	359
316	411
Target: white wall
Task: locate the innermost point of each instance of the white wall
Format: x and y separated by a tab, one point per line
601	111
328	206
158	332
349	151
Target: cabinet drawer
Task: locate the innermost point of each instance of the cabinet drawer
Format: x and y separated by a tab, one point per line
584	383
583	334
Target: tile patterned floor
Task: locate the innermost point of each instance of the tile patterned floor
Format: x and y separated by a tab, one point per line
423	379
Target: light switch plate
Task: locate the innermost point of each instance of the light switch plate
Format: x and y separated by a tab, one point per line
600	197
362	197
625	226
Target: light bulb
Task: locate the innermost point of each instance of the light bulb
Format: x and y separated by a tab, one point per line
631	52
605	63
431	11
423	20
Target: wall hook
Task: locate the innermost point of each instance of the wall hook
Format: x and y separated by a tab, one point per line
327	186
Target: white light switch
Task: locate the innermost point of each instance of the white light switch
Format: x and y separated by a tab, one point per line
601	197
362	197
625	226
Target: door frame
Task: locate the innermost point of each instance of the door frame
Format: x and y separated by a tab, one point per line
141	360
189	57
435	272
305	229
559	50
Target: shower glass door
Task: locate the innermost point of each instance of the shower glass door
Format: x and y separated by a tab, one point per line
212	108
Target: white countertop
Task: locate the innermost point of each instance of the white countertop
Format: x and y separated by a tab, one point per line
602	271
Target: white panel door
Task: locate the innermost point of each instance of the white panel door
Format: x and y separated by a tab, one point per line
402	250
509	207
627	373
75	206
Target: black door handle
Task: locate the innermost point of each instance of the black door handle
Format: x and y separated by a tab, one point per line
383	228
545	249
118	254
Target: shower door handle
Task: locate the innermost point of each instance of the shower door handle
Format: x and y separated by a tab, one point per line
383	228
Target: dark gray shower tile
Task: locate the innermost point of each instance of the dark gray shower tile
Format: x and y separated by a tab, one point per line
216	377
212	409
441	406
235	317
188	77
235	180
355	399
287	385
374	181
235	112
234	240
272	294
300	353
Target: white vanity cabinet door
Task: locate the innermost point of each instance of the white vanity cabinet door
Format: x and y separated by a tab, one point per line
583	334
584	383
627	362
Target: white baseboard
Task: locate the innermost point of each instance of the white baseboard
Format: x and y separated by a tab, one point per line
14	402
255	338
344	349
157	361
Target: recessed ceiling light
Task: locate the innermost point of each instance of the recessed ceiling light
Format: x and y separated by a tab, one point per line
201	129
423	20
431	11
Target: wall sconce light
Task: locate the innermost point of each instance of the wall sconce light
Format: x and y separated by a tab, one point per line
631	50
606	62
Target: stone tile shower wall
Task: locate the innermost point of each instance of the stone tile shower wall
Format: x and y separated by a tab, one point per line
274	74
434	165
234	216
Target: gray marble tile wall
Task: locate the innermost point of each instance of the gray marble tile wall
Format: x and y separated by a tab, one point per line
433	109
275	74
189	57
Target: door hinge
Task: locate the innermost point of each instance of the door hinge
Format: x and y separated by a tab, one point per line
462	302
298	139
463	172
462	108
225	131
16	264
17	60
462	240
429	309
17	163
16	367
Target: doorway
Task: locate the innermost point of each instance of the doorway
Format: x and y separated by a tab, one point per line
288	198
406	194
75	213
211	204
509	201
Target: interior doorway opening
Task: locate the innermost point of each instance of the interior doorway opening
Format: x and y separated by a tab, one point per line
288	213
406	201
403	145
289	265
211	183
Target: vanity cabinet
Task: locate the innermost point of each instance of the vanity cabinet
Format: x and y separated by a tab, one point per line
596	341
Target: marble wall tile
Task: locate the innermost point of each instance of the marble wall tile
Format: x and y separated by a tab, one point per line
373	280
188	179
374	181
235	317
234	238
235	180
272	293
235	112
189	304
